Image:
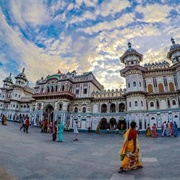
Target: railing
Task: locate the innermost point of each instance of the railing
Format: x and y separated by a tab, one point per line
54	94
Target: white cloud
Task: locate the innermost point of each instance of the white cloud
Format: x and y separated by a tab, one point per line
37	63
88	15
89	3
110	7
155	12
109	25
32	12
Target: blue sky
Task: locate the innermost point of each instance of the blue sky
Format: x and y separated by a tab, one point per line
86	35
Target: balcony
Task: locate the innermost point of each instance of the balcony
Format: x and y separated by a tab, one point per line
49	95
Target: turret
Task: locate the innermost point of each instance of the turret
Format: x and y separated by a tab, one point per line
131	57
21	78
8	81
174	52
133	72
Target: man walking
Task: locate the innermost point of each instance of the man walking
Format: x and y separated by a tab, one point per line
27	124
76	131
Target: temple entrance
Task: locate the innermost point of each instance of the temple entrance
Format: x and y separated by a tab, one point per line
113	124
49	113
122	125
103	124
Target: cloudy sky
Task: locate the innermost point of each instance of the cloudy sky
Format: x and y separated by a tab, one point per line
86	35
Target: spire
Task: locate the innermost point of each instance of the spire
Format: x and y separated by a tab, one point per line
23	70
173	41
129	45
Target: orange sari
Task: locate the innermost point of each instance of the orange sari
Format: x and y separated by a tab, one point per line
130	160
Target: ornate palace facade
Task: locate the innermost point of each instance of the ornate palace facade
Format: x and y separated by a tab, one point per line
152	95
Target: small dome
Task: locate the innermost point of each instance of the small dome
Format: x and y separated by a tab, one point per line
174	46
21	75
9	79
130	48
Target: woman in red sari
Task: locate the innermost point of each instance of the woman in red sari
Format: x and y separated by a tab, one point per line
154	131
130	151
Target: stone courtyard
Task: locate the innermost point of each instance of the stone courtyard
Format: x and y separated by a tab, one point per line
34	156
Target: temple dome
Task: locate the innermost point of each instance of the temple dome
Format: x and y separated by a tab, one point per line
130	49
21	75
174	45
8	79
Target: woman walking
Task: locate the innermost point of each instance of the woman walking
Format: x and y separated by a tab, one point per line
129	153
54	131
60	131
76	132
175	129
154	131
148	131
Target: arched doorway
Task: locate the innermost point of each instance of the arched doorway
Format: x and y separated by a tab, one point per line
112	107
113	123
103	124
122	124
104	108
49	113
121	107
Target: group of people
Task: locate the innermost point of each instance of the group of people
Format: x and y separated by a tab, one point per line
57	130
168	129
25	123
3	119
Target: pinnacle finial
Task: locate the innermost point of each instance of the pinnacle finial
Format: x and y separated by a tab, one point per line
23	70
129	45
10	74
172	40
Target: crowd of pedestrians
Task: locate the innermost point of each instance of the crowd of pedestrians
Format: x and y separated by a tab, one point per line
168	129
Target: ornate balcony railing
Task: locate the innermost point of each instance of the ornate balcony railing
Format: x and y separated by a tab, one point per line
51	94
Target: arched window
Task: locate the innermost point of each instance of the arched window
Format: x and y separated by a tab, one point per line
75	109
39	106
113	108
56	89
68	108
62	87
134	84
52	89
142	103
129	104
104	108
171	87
161	87
84	109
136	103
150	88
60	107
48	89
151	104
173	102
128	85
121	107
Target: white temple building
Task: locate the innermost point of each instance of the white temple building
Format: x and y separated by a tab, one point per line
152	95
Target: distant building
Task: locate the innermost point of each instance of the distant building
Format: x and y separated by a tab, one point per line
152	95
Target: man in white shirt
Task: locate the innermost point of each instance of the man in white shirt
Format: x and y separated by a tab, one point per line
76	131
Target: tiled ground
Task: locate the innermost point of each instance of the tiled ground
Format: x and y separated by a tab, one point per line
34	156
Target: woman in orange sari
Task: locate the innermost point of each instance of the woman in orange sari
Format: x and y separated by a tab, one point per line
129	153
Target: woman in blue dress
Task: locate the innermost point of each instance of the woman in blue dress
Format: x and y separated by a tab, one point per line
60	132
175	129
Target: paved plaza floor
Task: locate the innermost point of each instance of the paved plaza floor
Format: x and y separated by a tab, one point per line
35	156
